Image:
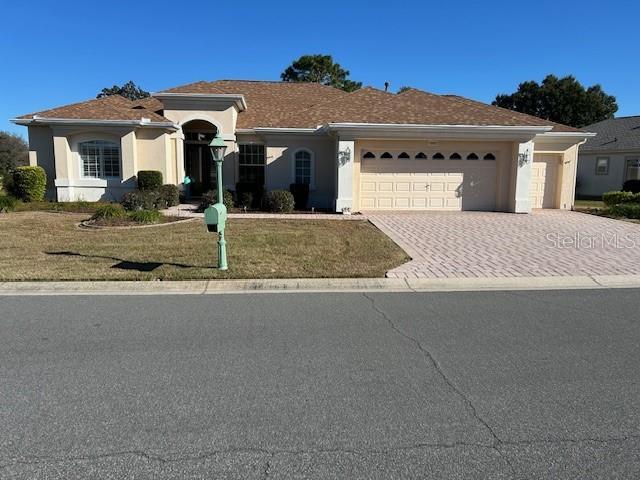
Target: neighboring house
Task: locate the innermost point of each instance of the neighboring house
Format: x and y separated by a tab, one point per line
610	158
364	150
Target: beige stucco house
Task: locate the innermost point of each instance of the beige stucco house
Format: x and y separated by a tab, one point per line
610	158
366	150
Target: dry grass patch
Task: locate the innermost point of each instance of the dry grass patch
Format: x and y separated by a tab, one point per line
50	246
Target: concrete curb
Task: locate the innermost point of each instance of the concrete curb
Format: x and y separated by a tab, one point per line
314	285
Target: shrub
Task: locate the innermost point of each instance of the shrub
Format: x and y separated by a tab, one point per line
145	216
246	200
7	203
149	180
631	186
138	200
300	192
29	183
279	201
168	196
112	210
256	190
616	198
627	210
211	197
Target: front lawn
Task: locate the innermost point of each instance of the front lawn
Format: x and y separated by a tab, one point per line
50	246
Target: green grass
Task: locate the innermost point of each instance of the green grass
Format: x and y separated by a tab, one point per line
72	207
49	246
589	204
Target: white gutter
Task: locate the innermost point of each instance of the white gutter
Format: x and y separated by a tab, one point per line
569	134
277	130
233	97
143	122
438	128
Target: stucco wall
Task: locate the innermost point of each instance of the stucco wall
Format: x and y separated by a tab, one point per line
279	170
595	185
224	120
41	153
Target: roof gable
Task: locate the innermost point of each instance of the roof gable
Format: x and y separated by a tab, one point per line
621	133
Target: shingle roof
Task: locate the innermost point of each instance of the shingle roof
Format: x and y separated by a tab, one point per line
269	104
113	107
621	133
308	105
370	105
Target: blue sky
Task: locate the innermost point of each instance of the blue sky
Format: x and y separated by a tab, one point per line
58	52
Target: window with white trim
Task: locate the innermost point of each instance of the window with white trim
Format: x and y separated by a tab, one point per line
602	166
100	158
303	167
633	168
251	162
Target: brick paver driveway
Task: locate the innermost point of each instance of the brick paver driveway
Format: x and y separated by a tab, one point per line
489	244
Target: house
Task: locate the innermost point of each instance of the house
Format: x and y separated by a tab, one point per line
610	158
366	150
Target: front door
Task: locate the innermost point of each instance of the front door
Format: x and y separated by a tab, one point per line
199	167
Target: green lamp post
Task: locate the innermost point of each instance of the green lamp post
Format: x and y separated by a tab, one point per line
216	215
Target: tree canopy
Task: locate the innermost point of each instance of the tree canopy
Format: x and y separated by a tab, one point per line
129	90
563	100
13	152
320	69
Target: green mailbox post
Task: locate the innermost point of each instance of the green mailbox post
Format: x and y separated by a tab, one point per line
215	216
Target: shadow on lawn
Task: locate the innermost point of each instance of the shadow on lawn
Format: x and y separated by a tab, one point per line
128	265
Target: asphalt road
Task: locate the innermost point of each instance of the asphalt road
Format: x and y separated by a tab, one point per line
345	385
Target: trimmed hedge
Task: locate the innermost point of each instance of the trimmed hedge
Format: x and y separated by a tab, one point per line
631	186
149	180
139	200
29	183
211	197
256	190
168	196
109	211
145	216
626	210
617	198
300	193
7	203
279	201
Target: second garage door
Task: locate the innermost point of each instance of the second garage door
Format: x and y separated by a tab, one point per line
420	181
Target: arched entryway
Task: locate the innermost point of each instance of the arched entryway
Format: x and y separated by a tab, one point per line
198	165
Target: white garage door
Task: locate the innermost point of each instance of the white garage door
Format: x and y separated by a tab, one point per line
428	181
544	180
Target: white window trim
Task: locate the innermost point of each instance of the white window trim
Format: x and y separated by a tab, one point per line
626	166
266	161
101	177
312	161
608	163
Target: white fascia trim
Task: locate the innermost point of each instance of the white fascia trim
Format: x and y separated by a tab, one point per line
142	123
294	131
393	127
236	98
567	135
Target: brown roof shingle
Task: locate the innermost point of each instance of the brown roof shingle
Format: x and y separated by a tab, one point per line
308	105
113	107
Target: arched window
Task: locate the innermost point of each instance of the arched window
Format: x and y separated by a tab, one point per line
303	167
421	156
386	155
489	156
100	158
369	155
455	156
404	155
472	156
438	156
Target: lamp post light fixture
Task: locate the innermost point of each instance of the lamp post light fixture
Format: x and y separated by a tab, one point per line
218	212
